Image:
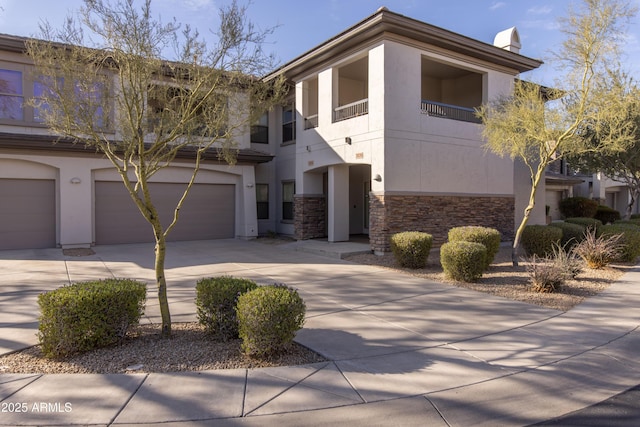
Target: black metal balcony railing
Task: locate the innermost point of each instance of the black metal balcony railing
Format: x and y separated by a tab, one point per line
446	111
311	122
354	109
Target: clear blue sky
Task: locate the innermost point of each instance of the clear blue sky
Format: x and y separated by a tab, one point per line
303	24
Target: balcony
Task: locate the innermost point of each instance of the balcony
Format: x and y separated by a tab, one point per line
311	122
446	111
353	109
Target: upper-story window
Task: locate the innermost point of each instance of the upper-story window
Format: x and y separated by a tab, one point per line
11	95
168	106
450	92
42	91
260	130
288	123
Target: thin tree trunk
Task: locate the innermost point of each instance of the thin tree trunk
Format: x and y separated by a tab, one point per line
634	196
525	219
161	282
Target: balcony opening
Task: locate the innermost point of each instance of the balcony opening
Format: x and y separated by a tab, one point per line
450	92
351	99
310	107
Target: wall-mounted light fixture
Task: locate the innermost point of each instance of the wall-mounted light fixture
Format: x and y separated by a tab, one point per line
249	185
348	140
75	180
308	149
377	178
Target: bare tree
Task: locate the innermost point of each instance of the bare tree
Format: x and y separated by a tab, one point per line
539	125
104	82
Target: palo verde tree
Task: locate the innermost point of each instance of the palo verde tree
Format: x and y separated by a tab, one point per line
620	166
538	125
103	80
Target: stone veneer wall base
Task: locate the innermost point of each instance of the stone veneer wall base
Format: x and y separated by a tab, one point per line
309	216
436	214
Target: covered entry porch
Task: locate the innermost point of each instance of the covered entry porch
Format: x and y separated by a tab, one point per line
334	204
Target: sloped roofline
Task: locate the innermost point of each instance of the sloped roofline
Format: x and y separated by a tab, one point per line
386	21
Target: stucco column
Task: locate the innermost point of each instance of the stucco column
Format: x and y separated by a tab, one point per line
338	203
247	227
75	191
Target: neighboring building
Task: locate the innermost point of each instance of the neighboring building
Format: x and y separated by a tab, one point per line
379	136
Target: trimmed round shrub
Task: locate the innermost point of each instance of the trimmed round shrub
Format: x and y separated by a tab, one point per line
268	319
607	215
572	234
489	237
635	216
539	240
631	222
88	315
578	207
463	261
216	299
411	248
587	223
629	242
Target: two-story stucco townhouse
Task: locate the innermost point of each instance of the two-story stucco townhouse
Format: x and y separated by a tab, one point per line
379	136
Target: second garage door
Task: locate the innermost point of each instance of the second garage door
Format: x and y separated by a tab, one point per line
208	213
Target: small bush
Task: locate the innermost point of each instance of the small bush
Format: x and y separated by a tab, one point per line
411	248
587	223
572	234
489	237
545	276
539	239
635	216
578	207
567	261
629	242
216	300
633	222
463	261
607	215
598	252
88	315
268	318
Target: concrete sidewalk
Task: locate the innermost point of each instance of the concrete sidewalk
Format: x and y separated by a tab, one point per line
404	351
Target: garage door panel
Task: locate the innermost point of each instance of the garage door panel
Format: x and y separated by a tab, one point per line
208	213
27	214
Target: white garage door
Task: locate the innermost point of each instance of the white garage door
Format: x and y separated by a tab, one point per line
27	214
208	213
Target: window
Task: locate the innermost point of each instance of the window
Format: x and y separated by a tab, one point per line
262	199
11	95
42	90
288	190
90	97
288	123
260	130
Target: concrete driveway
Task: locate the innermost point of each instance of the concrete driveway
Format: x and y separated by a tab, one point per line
403	350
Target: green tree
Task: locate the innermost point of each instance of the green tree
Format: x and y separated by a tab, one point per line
105	82
538	125
620	166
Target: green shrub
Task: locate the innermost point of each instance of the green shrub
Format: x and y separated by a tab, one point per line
587	223
216	299
268	318
572	234
635	216
463	261
578	207
629	242
539	239
88	315
632	222
607	215
545	276
598	251
411	248
489	237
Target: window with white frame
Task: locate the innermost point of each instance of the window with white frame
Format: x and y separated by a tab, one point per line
288	190
11	95
260	130
288	123
262	200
